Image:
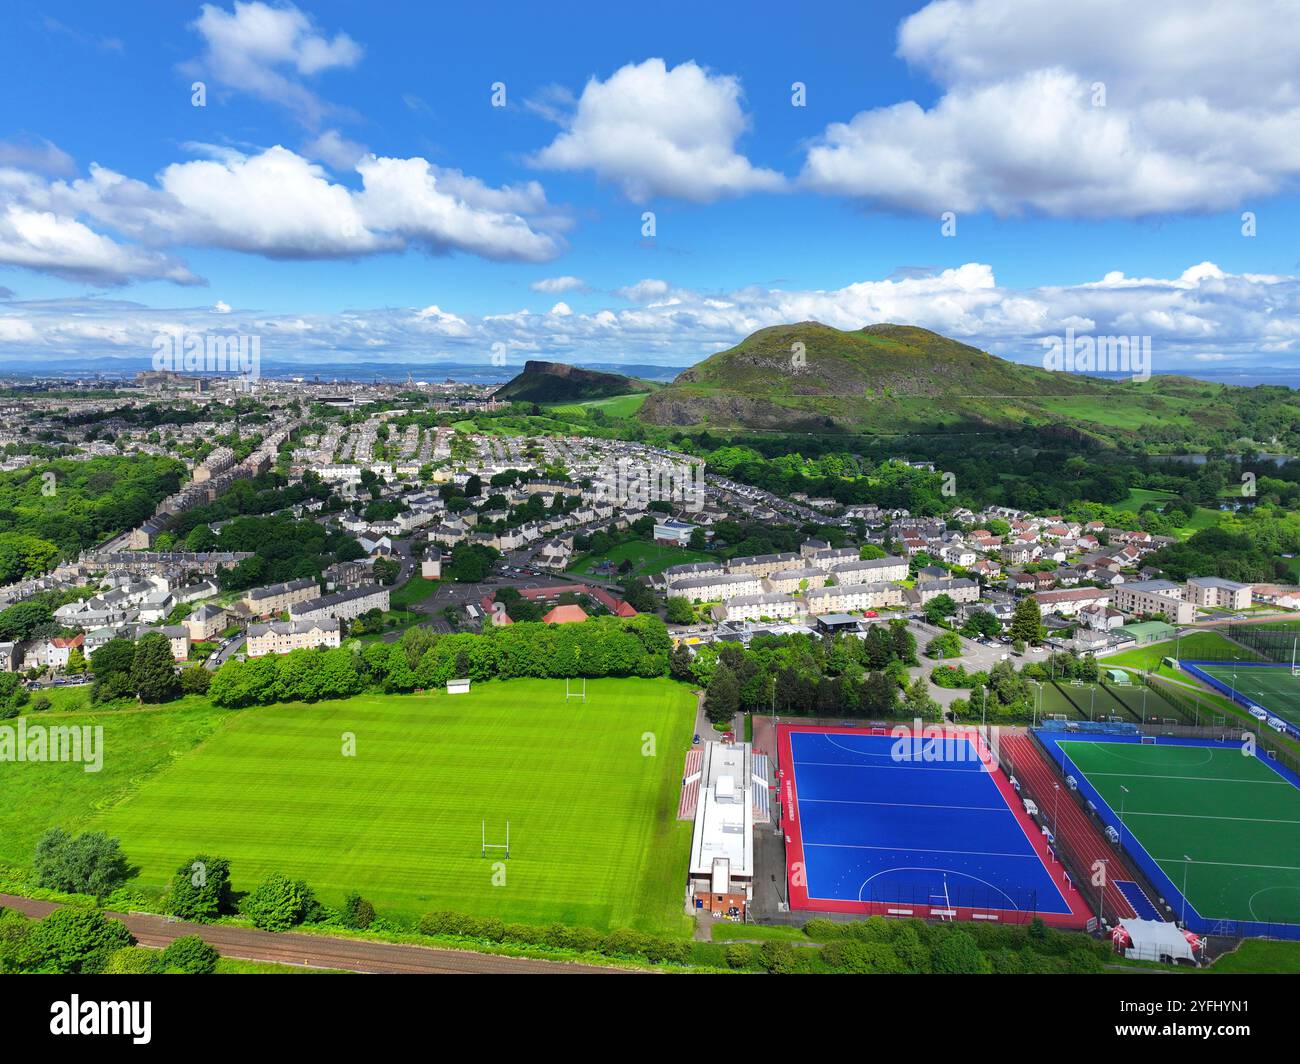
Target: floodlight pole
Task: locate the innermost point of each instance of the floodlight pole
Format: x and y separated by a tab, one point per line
1186	861
1123	796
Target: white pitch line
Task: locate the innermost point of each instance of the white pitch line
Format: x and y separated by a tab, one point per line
912	849
973	765
1178	861
908	805
1204	816
1194	779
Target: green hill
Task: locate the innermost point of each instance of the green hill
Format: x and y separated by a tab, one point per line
554	382
903	379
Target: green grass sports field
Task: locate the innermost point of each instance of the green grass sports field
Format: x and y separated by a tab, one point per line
648	559
594	839
1272	686
1237	819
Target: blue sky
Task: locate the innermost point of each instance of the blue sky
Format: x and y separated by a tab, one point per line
350	193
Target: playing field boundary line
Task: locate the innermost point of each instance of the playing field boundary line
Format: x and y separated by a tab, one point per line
1178	861
975	765
1192	779
1203	816
914	849
905	805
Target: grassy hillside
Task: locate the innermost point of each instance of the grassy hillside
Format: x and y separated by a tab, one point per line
902	379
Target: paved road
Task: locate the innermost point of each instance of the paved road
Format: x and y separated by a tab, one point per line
312	951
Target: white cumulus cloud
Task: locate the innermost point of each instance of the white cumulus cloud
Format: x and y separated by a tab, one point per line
655	131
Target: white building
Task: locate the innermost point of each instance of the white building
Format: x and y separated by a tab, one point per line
1154	596
281	637
1215	591
342	605
721	876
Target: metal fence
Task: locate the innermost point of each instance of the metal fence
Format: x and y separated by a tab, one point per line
1271	643
1075	864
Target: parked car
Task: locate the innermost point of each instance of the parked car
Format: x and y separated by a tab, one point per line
696	740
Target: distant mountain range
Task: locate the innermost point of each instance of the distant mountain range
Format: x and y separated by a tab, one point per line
125	368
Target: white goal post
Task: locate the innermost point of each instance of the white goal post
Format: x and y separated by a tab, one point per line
578	692
496	845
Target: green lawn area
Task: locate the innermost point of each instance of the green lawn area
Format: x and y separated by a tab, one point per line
417	589
62	698
1233	815
646	556
1139	497
593	830
1191	646
618	406
1259	956
138	744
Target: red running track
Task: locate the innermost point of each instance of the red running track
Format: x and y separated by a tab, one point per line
1084	838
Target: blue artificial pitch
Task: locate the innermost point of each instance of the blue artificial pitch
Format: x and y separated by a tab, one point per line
878	829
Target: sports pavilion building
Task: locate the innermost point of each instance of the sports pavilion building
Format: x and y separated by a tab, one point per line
721	878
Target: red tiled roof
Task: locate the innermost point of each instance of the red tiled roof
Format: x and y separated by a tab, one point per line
565	615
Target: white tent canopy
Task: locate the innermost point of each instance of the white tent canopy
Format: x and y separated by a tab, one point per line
1154	939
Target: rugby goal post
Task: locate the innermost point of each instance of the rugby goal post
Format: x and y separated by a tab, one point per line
575	689
496	845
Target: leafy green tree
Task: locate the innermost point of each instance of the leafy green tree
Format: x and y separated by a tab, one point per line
1027	621
17	954
153	671
190	955
22	556
279	903
879	696
23	620
959	954
982	623
944	645
917	700
73	940
91	863
722	698
680	610
357	913
939	608
200	889
115	656
195	680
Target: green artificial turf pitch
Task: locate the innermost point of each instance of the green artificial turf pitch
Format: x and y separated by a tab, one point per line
593	830
1237	819
1272	686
